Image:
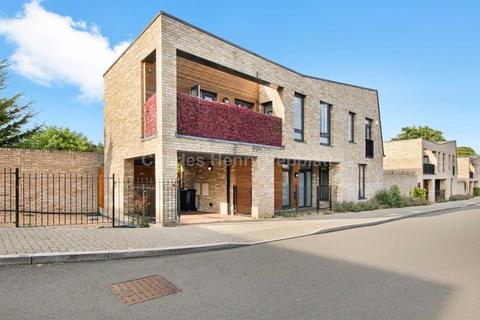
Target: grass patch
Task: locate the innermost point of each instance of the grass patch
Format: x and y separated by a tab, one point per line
286	214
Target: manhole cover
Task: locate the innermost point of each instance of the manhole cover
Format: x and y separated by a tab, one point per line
143	289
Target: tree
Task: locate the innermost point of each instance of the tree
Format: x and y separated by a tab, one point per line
13	116
466	151
57	138
424	132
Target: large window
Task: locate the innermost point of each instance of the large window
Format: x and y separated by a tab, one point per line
267	108
244	104
325	110
361	181
298	114
351	127
368	128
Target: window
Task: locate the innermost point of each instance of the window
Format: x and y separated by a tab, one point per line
298	120
368	128
325	123
267	108
244	104
351	127
361	181
208	95
443	162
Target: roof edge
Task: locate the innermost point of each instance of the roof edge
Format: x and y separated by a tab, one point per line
163	13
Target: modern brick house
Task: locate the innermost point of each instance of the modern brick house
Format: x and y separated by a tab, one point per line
433	166
469	173
248	135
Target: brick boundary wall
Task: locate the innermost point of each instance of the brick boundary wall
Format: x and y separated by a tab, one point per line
28	160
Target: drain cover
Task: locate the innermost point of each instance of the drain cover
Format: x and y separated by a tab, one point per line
143	289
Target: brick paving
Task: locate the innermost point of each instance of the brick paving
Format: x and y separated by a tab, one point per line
68	239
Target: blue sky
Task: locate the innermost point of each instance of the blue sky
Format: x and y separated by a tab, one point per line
422	56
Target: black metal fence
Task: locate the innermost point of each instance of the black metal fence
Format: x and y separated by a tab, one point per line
55	199
324	198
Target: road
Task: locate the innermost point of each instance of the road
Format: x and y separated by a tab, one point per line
419	268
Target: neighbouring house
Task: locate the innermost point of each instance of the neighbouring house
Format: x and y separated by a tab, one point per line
468	173
433	166
238	133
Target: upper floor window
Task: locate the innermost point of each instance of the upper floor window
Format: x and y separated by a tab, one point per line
368	128
267	108
208	95
298	116
244	104
351	127
325	110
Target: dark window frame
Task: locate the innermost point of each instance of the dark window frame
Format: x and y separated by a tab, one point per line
244	104
368	128
268	104
204	93
362	168
302	130
351	127
328	134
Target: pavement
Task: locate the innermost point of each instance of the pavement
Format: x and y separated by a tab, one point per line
62	244
424	267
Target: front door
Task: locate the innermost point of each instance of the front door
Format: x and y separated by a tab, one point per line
323	183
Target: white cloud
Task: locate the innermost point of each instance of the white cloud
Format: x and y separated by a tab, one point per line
51	49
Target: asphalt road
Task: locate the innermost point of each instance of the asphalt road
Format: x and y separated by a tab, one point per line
420	268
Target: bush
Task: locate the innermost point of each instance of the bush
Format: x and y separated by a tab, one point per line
457	197
418	193
350	206
391	198
476	191
412	202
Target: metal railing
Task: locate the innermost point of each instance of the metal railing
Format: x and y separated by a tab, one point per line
428	168
439	195
34	199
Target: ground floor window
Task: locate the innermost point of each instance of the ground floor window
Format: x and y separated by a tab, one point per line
285	185
361	181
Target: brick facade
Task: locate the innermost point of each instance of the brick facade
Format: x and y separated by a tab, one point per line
167	35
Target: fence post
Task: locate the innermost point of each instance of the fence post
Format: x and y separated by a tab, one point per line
113	200
17	197
330	197
318	200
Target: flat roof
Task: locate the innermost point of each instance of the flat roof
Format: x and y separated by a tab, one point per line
163	13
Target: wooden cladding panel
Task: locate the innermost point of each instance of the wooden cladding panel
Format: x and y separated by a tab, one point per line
278	185
294	185
190	73
150	71
243	181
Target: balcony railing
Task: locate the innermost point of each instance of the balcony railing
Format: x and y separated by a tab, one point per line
217	120
428	168
369	147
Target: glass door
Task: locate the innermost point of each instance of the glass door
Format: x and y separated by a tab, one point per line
286	188
305	187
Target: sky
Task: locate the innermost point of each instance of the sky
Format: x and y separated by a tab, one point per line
422	56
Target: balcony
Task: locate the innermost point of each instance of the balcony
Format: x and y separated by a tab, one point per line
428	168
369	147
217	120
